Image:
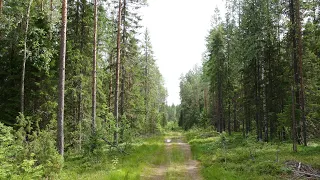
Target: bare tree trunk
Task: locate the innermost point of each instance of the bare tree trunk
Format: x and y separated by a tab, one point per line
110	82
299	50
63	39
235	128
80	116
24	57
82	29
94	69
123	72
123	55
116	99
1	5
294	83
294	124
146	78
51	18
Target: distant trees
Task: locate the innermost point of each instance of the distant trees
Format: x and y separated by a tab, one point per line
250	58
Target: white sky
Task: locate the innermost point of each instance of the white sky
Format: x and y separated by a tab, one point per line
177	30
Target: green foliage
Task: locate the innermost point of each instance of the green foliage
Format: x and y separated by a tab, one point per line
44	149
191	102
7	152
245	80
33	153
114	165
244	158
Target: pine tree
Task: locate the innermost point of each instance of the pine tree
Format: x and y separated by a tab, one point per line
62	78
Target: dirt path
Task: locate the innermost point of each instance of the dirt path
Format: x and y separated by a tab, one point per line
179	163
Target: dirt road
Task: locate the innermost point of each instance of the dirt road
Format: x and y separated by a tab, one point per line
179	163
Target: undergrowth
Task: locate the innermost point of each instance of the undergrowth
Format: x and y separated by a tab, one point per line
113	165
233	157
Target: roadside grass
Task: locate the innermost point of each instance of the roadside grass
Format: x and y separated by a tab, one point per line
114	165
232	157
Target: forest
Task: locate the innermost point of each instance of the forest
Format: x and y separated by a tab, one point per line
82	96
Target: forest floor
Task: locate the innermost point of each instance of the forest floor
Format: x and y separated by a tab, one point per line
178	163
229	157
210	155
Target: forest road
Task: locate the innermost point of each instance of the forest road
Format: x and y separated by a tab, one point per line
178	162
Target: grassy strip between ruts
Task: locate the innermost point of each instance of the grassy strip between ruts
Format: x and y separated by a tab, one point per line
113	165
232	157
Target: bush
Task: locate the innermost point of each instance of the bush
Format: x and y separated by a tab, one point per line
28	153
46	153
7	151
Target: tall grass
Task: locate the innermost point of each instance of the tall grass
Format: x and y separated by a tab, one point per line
114	165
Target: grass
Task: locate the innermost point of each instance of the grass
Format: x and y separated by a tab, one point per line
176	155
113	165
232	157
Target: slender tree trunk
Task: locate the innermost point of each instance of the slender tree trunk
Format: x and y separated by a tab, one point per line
123	55
80	116
80	113
295	74
41	4
123	73
220	102
300	71
63	39
205	93
94	69
229	117
294	125
51	18
116	99
146	78
1	6
25	57
122	90
235	126
110	82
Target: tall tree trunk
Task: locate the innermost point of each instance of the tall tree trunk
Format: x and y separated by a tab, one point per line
123	73
25	57
63	39
146	78
220	101
80	115
116	99
94	69
295	74
300	64
123	55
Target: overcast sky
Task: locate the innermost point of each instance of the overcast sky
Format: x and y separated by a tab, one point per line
178	29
